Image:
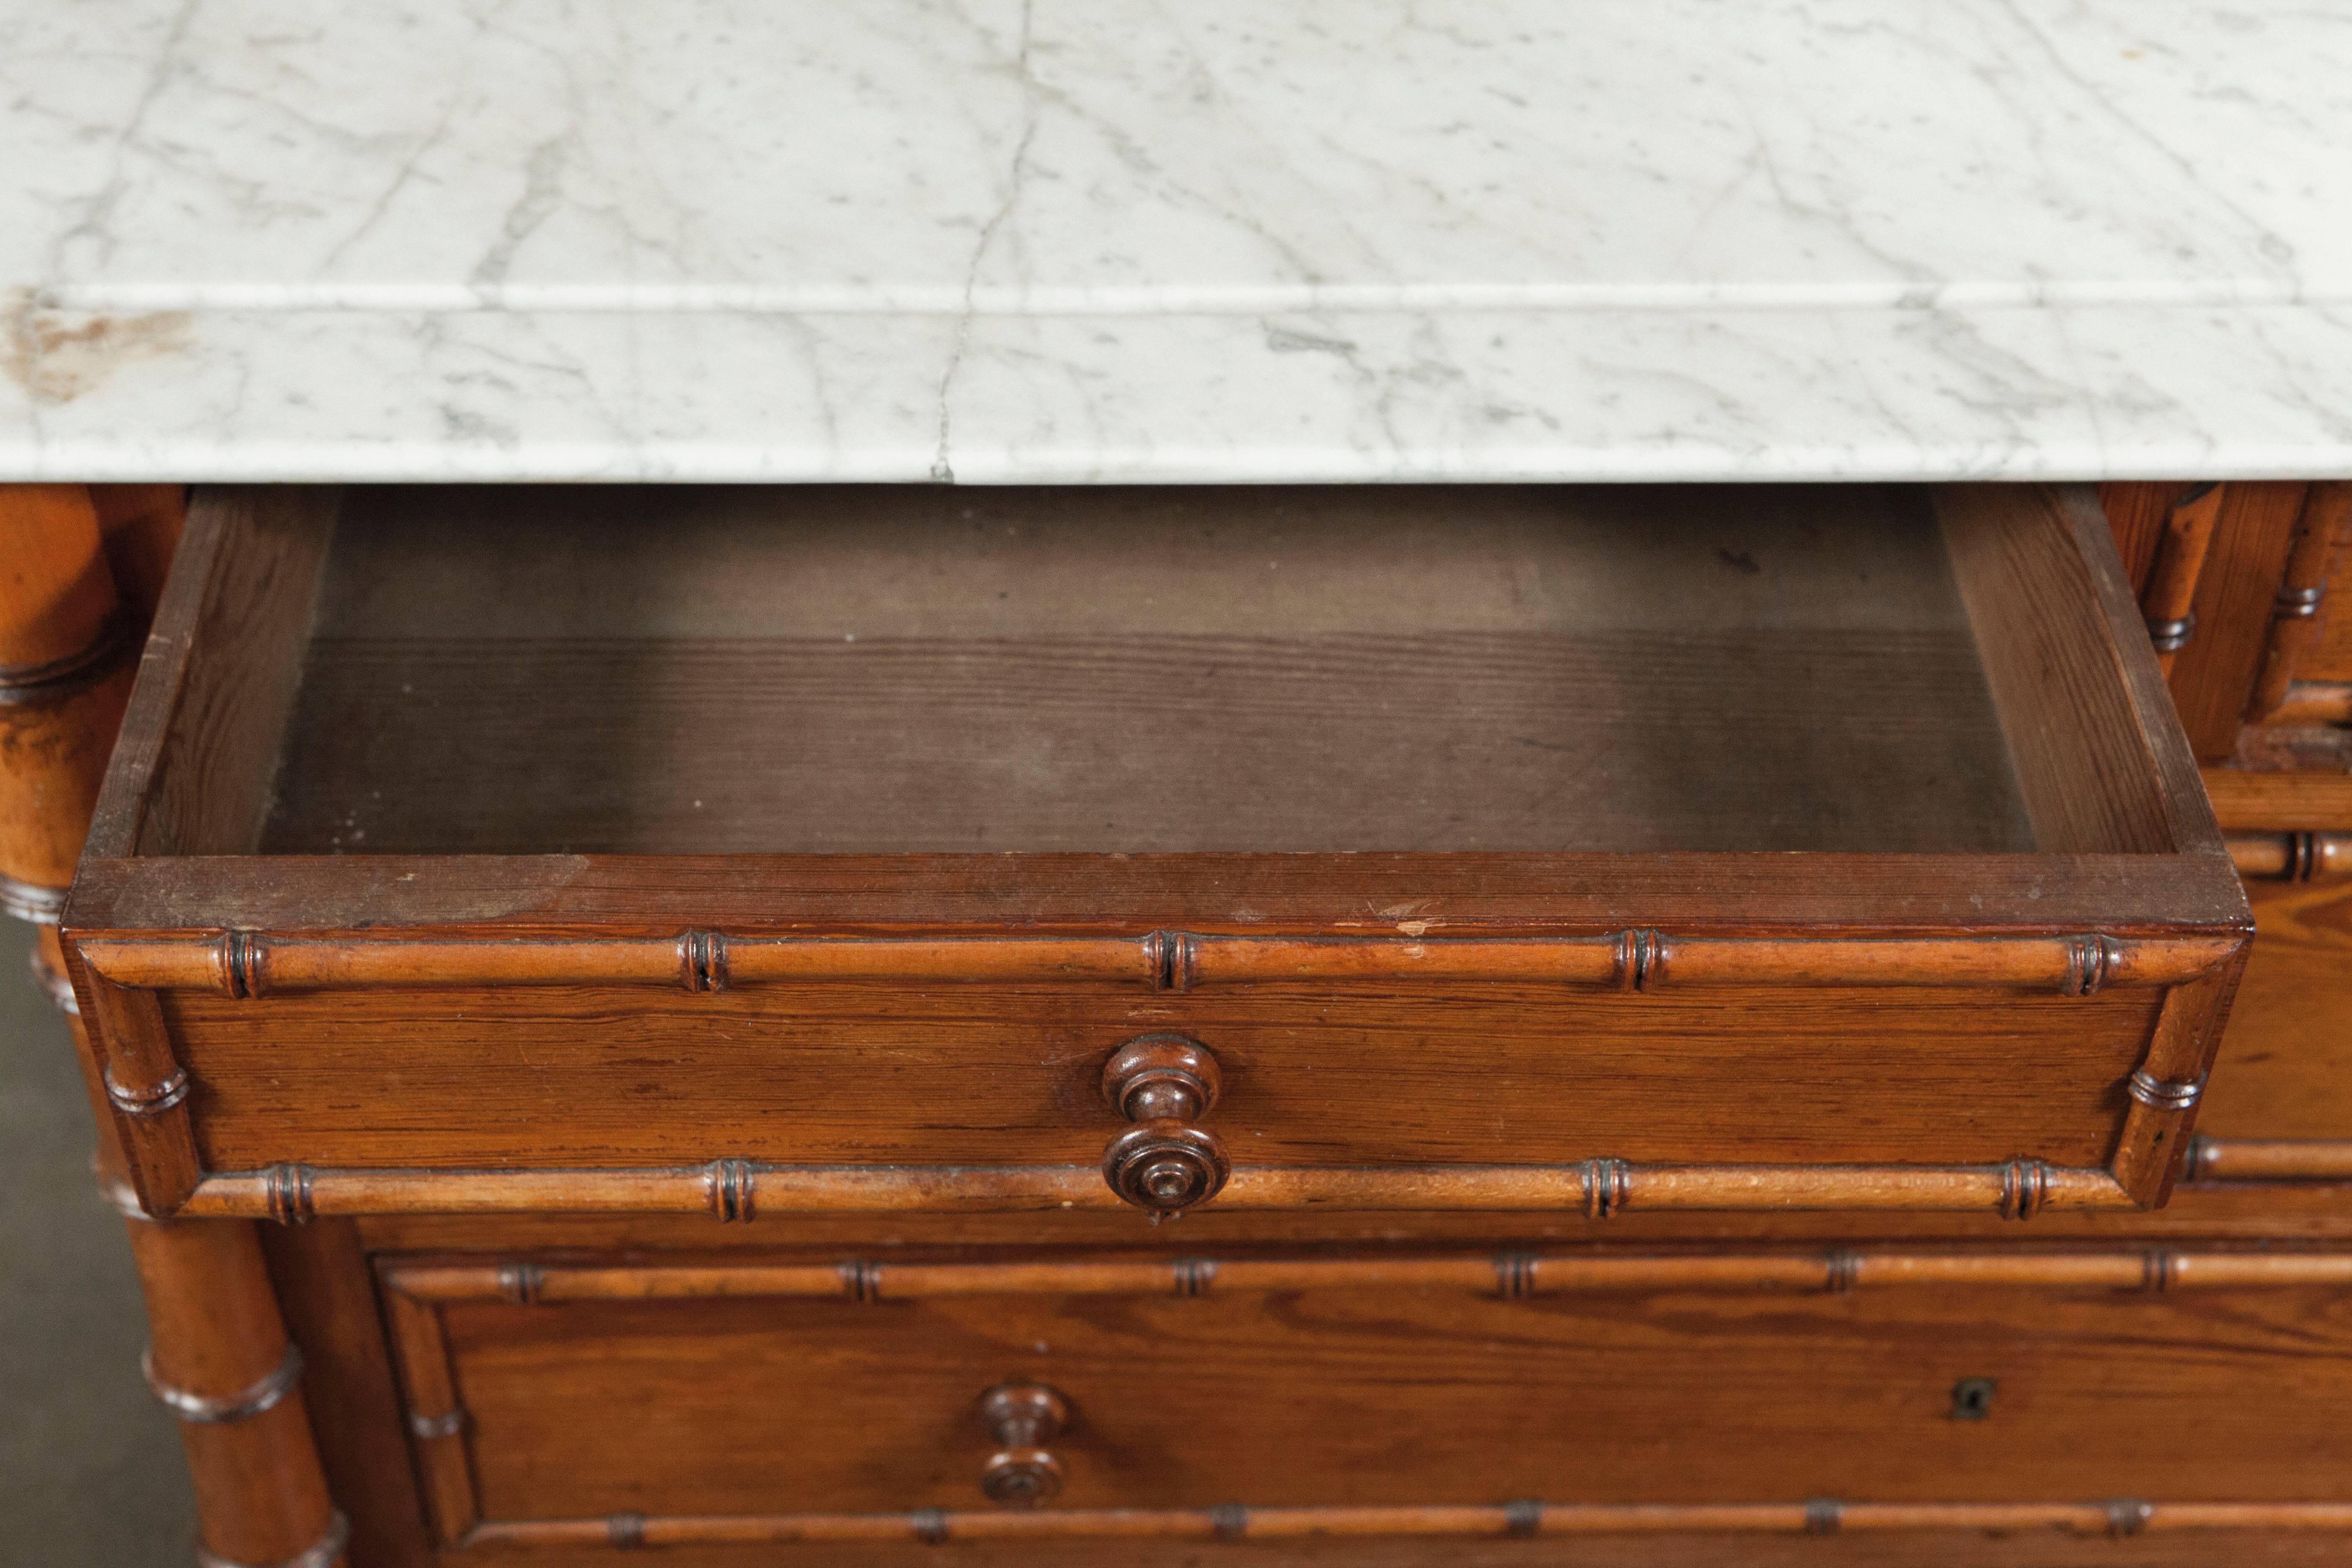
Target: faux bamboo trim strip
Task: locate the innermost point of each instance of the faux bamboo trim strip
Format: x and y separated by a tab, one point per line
31	901
327	1552
2115	1516
247	963
2313	702
61	679
2269	1160
247	1403
735	1189
2292	856
55	985
1512	1276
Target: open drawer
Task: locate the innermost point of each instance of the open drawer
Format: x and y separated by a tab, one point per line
865	849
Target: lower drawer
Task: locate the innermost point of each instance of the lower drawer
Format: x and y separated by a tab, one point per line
570	1405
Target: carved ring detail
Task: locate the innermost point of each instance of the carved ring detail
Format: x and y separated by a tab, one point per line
323	1553
61	677
2161	1094
448	1424
152	1100
31	901
247	1403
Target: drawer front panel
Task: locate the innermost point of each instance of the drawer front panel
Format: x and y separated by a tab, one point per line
1378	1385
980	1074
1601	941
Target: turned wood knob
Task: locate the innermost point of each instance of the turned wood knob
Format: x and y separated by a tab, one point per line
1021	1416
1163	1164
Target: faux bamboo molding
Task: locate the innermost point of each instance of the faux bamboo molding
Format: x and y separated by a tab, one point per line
2171	594
2315	703
57	679
2295	614
2304	857
31	901
262	1395
327	1552
241	963
1512	1276
736	1189
2252	1160
2116	1518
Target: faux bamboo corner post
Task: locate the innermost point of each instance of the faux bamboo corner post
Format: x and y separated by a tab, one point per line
80	570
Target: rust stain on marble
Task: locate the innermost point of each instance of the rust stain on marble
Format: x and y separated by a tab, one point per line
57	356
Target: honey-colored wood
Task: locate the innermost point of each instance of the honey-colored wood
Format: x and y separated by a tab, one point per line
1688	1548
147	1091
2179	564
736	1190
220	1356
435	1418
2213	676
2106	1519
2280	801
56	593
64	675
951	1013
140	525
1378	1394
248	963
590	1059
2296	610
1509	1274
2287	1069
2136	513
328	1293
2328	657
2310	703
2169	1081
2292	856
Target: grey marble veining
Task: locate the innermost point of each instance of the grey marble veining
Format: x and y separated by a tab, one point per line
1001	241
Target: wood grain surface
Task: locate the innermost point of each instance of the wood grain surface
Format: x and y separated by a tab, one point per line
1364	1392
1336	1074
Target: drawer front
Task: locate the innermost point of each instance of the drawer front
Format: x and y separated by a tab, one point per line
1874	1389
1625	1055
1307	1076
1685	964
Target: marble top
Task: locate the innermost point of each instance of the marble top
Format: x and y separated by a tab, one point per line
1070	240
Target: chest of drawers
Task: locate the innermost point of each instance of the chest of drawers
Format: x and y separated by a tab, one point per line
723	995
776	852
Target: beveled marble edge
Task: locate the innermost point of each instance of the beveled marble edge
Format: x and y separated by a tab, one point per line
1074	240
2074	394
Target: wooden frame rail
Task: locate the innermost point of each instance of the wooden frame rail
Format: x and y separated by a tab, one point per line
2119	1518
240	964
1507	1275
120	979
733	1190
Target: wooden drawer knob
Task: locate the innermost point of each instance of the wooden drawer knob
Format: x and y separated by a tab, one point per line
1163	1164
1021	1416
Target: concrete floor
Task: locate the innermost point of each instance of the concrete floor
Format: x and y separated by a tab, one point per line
90	1471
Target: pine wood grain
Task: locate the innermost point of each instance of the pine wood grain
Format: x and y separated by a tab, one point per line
1702	1396
1340	1074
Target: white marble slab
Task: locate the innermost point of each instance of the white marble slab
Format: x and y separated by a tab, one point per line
1269	240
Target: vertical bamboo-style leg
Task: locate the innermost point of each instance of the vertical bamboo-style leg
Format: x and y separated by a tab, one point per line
220	1358
221	1361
